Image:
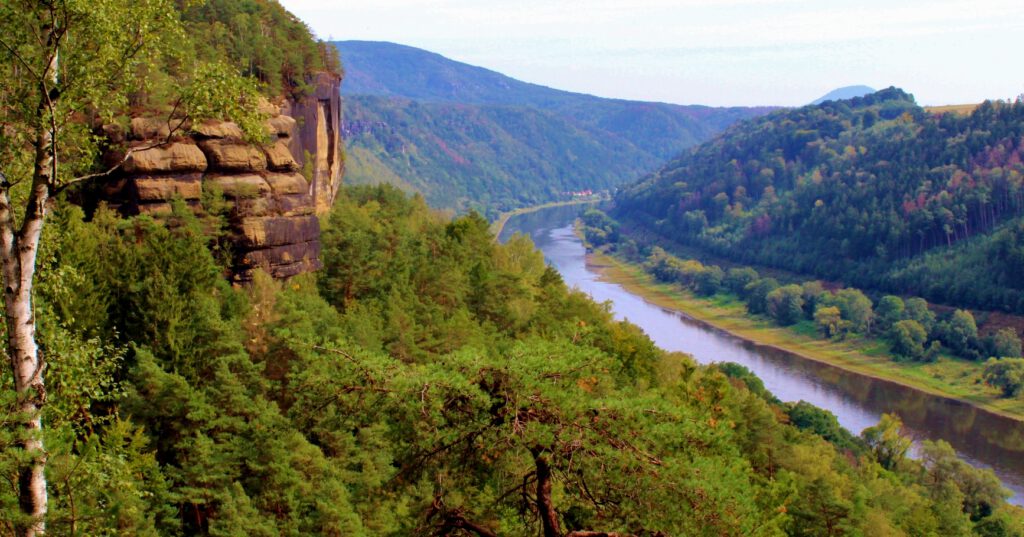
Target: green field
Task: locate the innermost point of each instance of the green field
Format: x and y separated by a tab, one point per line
948	376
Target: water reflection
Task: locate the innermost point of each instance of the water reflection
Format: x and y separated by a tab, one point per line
981	438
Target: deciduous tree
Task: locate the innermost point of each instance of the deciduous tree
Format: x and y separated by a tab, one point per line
67	66
1007	374
785	304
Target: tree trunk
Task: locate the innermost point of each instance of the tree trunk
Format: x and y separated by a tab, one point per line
545	505
18	248
17	254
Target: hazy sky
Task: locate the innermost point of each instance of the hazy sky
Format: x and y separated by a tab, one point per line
716	52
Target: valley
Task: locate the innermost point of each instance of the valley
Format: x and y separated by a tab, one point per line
259	282
855	385
469	138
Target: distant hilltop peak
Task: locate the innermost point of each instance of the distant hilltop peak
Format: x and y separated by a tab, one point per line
847	92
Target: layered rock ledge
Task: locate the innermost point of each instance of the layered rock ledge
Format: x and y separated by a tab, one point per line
275	191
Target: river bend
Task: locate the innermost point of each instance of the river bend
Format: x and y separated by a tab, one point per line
981	438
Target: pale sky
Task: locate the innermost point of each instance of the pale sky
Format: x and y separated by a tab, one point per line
714	52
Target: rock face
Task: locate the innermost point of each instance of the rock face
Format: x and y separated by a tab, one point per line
275	191
316	144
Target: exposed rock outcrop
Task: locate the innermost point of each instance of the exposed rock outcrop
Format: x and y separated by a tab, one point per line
317	136
275	190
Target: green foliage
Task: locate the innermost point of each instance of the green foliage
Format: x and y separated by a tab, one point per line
1004	522
829	321
217	92
886	441
428	379
823	423
908	338
598	228
890	310
812	292
835	314
489	158
960	333
757	293
980	488
855	308
872	191
917	310
1007	374
1006	343
738	278
261	40
99	67
786	304
708	281
748	378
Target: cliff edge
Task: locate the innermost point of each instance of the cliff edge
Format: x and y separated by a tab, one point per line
275	191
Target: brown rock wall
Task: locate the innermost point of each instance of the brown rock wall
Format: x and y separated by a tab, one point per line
317	134
273	208
264	232
175	157
162	188
233	155
218	129
279	157
241	186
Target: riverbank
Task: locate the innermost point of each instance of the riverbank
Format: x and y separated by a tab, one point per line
498	225
948	377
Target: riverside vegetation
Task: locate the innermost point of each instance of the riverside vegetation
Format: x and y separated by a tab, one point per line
874	191
426	382
899	339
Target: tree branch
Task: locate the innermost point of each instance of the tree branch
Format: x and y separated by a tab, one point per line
598	534
63	186
171	131
455	520
20	59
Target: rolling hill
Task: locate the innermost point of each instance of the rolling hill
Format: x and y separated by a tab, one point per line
467	137
873	191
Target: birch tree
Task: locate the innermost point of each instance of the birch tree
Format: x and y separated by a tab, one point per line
67	67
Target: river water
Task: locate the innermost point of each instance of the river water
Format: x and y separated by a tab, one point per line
981	438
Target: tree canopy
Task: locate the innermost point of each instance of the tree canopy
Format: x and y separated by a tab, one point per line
874	191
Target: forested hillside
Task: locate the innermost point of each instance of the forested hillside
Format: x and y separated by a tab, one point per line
428	382
872	191
497	143
486	156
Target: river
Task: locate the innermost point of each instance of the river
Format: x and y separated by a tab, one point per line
981	438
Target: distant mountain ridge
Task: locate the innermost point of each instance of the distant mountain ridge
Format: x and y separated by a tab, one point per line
847	92
466	136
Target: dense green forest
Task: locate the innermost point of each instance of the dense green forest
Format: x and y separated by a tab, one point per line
429	381
873	191
466	137
261	40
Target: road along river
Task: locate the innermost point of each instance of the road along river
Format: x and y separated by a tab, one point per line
981	438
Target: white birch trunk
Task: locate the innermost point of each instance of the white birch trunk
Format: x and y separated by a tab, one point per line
18	248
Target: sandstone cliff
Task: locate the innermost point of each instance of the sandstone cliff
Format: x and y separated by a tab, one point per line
275	191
